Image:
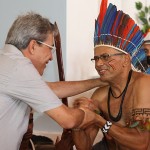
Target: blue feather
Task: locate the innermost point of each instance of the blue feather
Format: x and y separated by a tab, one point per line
148	70
138	59
117	22
108	12
110	20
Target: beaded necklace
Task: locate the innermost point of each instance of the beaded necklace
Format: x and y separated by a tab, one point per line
118	117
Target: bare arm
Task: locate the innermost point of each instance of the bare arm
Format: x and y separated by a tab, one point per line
131	138
84	139
69	88
71	118
127	138
66	117
138	136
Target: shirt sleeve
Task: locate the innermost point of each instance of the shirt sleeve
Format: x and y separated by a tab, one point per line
26	85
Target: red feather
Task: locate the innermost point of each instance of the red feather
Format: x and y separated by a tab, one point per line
103	9
135	30
127	29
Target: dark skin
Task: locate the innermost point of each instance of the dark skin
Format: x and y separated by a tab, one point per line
66	142
120	136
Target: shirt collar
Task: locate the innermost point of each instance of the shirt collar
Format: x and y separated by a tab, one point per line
11	49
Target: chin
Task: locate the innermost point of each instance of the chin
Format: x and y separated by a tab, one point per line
103	78
41	72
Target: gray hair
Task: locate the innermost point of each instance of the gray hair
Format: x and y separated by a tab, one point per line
31	26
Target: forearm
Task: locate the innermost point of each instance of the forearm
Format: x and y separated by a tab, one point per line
70	88
84	139
132	138
66	117
81	140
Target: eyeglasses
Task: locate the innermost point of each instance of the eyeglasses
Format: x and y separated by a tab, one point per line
105	57
53	48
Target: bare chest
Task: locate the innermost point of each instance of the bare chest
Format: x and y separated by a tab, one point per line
118	107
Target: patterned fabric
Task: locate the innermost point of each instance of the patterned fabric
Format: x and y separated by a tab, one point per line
114	28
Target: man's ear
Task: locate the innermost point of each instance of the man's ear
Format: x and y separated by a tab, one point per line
32	46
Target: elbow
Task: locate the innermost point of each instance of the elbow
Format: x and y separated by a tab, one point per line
143	143
72	123
68	126
142	146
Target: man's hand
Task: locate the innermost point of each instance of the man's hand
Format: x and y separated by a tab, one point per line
84	102
89	108
90	118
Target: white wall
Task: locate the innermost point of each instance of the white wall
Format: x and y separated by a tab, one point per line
80	25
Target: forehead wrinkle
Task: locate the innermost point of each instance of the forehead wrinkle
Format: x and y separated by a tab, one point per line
103	49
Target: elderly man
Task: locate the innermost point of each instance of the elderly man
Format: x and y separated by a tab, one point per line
124	104
28	48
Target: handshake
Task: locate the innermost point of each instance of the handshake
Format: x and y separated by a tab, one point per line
74	136
84	102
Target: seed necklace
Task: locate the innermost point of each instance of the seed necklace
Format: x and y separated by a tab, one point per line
118	117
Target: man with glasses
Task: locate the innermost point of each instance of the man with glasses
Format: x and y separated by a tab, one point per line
104	57
52	48
124	104
28	48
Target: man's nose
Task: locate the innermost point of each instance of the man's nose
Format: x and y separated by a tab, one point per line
51	57
99	62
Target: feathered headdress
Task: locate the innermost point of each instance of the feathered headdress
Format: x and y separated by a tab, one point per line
116	29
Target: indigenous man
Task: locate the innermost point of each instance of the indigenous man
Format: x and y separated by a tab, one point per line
124	104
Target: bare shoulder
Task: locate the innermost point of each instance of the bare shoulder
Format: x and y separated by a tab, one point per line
142	80
141	88
100	93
